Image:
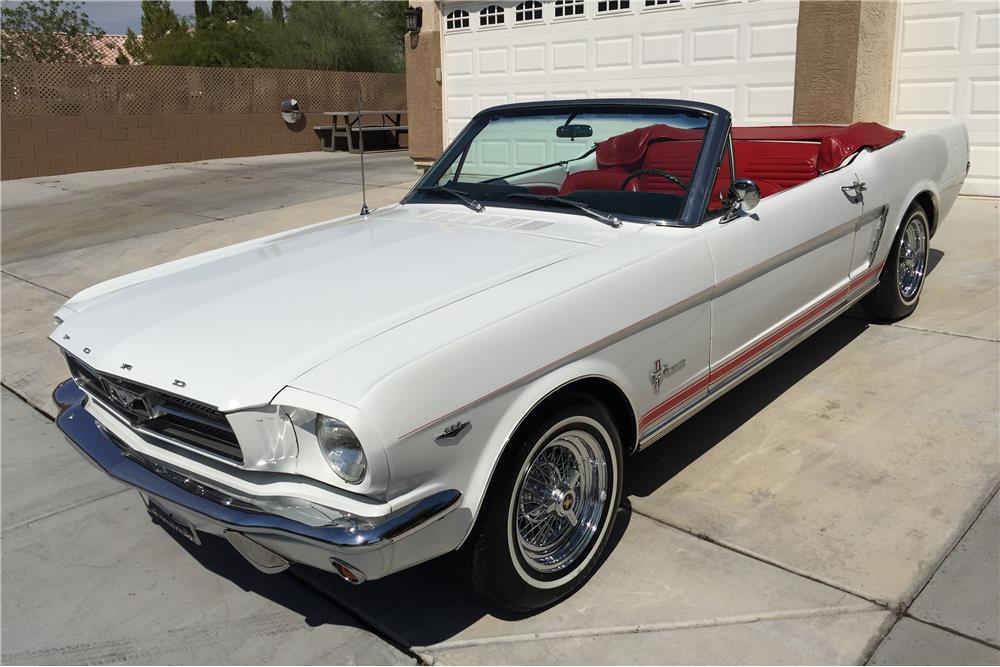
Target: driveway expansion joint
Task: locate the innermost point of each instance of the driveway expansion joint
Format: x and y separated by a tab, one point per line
37	408
32	283
653	627
61	510
946	333
884	604
371	625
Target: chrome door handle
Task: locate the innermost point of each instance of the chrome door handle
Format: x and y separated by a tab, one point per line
854	191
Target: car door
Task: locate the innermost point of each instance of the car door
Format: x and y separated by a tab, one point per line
869	229
779	270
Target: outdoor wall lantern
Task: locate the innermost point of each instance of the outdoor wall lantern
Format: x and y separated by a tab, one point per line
290	112
414	19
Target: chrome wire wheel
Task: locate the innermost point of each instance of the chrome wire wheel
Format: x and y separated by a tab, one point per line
912	257
560	500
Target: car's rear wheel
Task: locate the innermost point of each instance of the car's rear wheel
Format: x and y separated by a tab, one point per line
902	278
550	508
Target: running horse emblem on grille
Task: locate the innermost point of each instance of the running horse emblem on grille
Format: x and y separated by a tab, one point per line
133	402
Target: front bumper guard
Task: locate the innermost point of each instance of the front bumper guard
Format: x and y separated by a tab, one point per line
365	543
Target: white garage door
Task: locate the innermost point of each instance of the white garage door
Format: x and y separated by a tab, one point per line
738	54
949	68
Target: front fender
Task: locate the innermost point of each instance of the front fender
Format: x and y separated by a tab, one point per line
521	404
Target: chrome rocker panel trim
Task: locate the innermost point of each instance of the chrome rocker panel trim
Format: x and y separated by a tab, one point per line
350	544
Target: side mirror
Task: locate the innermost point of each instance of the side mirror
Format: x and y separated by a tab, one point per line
744	195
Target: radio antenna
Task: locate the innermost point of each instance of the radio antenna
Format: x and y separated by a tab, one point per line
361	144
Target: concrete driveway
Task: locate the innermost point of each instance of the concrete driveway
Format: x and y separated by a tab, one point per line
840	507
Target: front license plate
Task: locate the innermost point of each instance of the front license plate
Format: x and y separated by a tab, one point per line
161	515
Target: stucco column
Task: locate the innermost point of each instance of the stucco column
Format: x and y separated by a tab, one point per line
423	86
844	61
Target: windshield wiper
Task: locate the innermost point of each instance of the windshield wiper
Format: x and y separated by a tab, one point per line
607	218
464	197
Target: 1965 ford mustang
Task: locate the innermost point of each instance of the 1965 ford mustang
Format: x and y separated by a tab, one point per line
466	370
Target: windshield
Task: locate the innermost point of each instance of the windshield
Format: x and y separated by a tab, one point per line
607	164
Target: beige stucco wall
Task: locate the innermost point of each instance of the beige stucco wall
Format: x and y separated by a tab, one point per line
423	89
844	61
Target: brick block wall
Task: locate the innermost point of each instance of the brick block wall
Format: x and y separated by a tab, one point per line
49	145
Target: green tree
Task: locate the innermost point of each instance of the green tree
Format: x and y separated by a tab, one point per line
201	12
348	36
230	10
159	22
218	41
51	31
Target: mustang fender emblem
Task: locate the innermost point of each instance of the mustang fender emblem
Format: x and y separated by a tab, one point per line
453	433
661	371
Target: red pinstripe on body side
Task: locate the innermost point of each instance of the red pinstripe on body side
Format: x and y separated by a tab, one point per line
728	368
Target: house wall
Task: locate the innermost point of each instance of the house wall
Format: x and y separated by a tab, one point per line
423	85
846	72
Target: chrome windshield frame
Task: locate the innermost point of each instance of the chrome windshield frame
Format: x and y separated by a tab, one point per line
702	179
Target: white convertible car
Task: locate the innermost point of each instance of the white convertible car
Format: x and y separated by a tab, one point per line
466	370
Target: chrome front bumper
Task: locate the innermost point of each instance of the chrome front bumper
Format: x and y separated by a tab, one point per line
370	546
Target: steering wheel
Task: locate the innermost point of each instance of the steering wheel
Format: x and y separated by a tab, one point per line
653	172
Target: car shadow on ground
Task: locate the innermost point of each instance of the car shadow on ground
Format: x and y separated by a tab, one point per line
653	467
430	603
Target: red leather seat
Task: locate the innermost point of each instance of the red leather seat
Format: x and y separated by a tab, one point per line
674	157
786	163
596	179
776	158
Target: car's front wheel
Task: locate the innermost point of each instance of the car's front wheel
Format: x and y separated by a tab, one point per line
550	508
902	278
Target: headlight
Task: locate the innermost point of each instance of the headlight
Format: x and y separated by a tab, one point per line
341	449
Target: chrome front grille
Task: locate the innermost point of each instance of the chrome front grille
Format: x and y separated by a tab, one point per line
179	419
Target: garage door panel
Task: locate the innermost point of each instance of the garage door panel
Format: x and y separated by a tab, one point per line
985	97
987	29
773	41
949	69
767	103
530	59
661	49
738	53
937	34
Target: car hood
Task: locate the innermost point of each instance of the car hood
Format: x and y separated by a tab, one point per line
232	327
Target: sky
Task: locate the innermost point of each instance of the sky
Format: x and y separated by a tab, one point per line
116	16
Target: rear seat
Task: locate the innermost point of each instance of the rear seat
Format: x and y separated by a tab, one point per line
784	163
773	165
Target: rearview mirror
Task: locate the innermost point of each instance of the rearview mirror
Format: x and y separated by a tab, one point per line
574	131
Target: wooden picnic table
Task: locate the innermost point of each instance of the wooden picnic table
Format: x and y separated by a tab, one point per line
391	124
